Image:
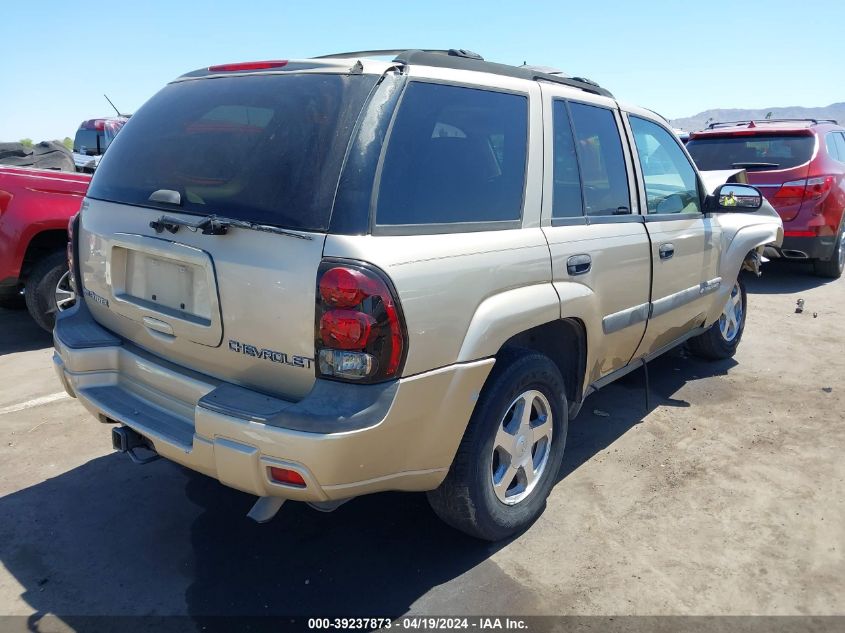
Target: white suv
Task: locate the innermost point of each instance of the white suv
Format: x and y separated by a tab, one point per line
323	278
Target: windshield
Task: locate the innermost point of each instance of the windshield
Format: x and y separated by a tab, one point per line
261	148
751	152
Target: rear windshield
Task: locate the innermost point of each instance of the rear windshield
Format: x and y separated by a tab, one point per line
261	148
86	142
751	152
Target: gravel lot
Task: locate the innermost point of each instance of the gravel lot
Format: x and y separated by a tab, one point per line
727	497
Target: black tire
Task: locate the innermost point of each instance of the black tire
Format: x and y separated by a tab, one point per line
40	289
833	267
466	499
712	344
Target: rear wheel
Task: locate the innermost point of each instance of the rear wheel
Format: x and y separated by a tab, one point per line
41	289
510	455
833	267
722	339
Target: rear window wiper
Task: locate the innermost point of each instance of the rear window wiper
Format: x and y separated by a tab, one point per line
213	225
755	165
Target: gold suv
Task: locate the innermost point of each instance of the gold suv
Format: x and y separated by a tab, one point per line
315	279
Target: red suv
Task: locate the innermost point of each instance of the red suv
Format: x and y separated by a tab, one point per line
799	165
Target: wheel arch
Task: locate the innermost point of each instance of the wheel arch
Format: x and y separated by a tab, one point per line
564	341
40	245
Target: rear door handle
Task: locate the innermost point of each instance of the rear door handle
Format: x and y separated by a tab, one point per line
666	251
579	264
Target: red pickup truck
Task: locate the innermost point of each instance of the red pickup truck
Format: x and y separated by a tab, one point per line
35	206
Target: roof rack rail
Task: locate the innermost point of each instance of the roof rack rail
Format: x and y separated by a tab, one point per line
756	122
461	59
374	53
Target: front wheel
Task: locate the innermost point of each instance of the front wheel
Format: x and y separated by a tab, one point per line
510	455
722	339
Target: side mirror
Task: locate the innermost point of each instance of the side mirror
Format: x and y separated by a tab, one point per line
733	197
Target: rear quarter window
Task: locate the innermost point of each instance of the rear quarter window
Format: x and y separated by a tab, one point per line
454	155
763	152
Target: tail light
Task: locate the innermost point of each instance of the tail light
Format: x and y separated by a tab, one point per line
360	331
804	190
71	248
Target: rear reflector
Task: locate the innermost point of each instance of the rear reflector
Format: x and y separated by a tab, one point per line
799	234
285	476
248	66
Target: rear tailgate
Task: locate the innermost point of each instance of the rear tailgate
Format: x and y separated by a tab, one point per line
262	154
238	306
770	158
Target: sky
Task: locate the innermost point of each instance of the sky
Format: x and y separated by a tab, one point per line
678	58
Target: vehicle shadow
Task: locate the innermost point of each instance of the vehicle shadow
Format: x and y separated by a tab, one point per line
784	278
19	333
613	411
111	538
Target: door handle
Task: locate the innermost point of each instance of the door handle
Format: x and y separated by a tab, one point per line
666	251
579	264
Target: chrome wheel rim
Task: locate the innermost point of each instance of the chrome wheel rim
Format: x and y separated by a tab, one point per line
841	249
65	295
521	447
731	317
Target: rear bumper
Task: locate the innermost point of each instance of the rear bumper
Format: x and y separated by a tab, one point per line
345	440
803	248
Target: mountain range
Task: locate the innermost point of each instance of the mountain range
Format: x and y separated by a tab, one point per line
698	121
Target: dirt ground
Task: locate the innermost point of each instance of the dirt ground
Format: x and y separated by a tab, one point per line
726	497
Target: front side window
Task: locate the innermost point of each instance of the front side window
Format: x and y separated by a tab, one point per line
671	184
602	162
455	155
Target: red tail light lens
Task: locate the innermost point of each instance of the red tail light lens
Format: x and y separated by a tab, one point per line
343	287
792	189
804	190
818	187
278	63
360	331
346	329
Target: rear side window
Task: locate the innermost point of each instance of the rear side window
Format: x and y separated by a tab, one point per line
759	152
566	193
454	155
262	148
836	146
601	159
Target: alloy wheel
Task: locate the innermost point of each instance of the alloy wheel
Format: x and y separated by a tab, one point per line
731	317
521	447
